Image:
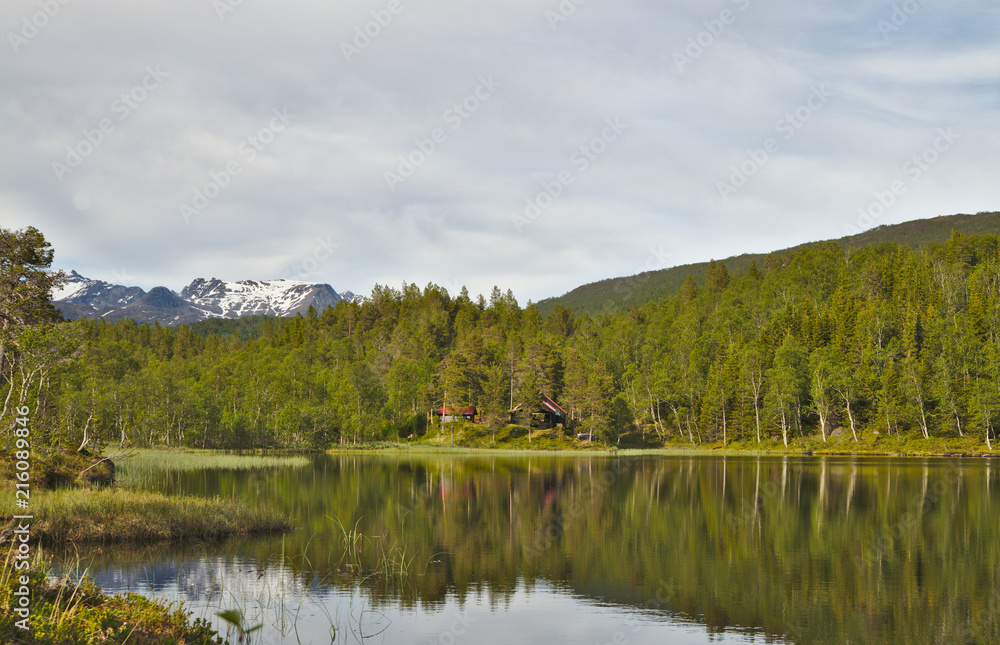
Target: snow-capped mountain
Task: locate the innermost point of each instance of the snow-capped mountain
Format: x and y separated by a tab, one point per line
81	297
350	296
258	297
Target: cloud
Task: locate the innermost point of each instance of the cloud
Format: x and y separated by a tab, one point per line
367	85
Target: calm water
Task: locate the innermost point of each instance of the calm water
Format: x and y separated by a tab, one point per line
595	550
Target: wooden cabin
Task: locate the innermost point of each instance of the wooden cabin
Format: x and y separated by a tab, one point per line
455	414
548	413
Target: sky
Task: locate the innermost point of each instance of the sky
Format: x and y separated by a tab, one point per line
535	145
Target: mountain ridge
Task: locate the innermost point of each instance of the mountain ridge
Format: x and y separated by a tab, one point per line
615	294
202	299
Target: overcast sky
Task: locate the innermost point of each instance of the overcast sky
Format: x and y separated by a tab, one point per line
535	145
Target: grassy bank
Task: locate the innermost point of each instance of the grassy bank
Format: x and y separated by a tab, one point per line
510	437
78	510
474	437
115	515
143	467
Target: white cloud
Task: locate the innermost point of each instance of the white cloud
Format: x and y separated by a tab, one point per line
323	176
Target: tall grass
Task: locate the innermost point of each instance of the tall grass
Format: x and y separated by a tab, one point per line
143	466
373	558
117	515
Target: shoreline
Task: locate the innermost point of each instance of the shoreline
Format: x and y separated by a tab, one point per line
843	449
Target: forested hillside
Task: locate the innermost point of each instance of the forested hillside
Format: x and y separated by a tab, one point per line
883	339
617	294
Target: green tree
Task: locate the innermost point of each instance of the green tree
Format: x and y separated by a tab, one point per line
789	380
822	392
844	383
716	276
720	393
26	284
621	420
753	369
26	287
914	388
689	290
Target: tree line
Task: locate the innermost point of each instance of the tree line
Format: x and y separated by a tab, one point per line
880	339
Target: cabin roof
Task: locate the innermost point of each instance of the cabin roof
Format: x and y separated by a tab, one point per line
549	403
545	403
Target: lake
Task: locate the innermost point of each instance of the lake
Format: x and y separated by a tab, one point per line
426	548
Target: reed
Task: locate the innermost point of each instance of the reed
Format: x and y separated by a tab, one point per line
143	466
117	515
372	559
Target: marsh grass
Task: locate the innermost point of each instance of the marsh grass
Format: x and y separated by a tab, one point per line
116	515
143	466
352	542
392	562
374	559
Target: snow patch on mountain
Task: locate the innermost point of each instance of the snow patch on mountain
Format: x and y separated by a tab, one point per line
350	296
79	289
82	297
75	283
258	297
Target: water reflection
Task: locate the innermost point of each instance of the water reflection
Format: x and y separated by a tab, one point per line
791	549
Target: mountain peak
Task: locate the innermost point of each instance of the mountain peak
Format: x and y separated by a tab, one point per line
258	297
212	298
